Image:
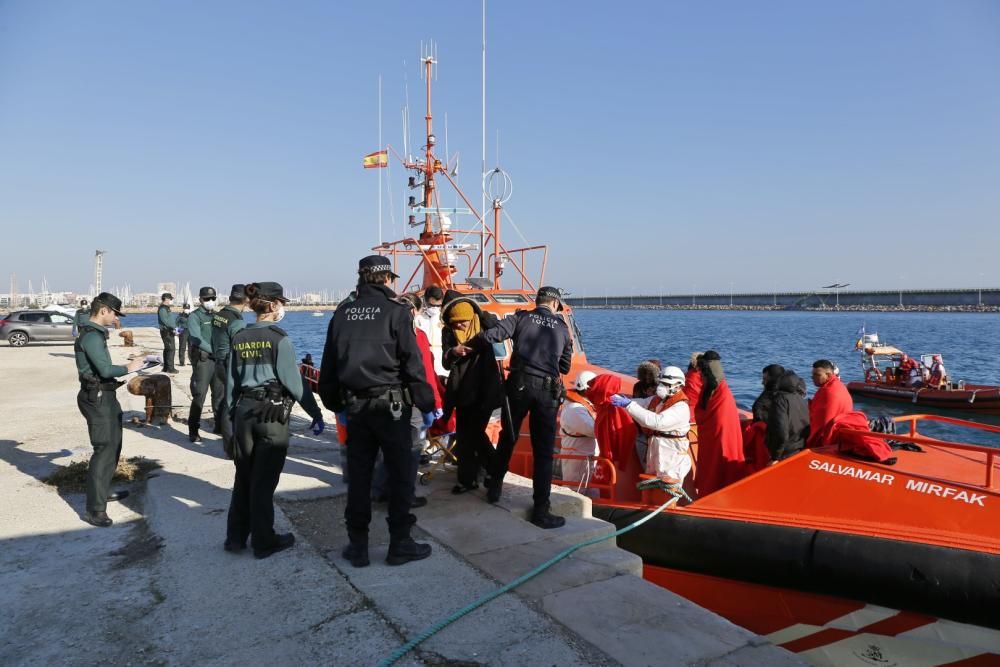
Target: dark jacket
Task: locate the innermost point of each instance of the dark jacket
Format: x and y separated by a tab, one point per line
788	418
473	379
762	406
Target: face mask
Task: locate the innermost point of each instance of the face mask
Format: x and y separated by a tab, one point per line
187	310
432	311
661	391
280	314
168	303
208	305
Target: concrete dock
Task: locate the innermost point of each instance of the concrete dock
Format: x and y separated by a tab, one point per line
157	587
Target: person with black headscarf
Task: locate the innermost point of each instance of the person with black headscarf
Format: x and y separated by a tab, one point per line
754	433
788	417
720	436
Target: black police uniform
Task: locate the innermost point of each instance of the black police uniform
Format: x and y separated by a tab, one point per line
225	324
99	406
262	384
202	362
167	331
543	352
372	369
182	336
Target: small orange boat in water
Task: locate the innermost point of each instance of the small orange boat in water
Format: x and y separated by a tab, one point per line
887	379
843	561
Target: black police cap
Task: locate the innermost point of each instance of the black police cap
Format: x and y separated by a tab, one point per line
549	292
111	301
165	296
238	291
375	264
206	293
271	292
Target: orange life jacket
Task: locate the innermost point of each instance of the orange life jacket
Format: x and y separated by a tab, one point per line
658	406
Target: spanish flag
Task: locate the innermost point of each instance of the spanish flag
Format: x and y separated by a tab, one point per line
376	160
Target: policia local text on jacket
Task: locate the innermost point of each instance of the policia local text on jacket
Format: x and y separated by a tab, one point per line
99	405
168	325
262	384
225	324
202	362
543	352
372	370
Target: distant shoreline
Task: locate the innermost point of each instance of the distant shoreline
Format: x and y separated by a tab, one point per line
151	310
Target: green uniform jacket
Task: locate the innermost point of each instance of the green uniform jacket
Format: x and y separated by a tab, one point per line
167	321
92	357
200	329
223	330
249	376
82	317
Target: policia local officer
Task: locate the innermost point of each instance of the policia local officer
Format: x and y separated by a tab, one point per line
225	324
168	327
262	384
202	365
99	405
543	352
372	370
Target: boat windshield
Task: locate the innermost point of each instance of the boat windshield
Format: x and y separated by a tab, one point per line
577	335
510	298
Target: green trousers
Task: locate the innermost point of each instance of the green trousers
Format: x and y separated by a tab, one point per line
103	413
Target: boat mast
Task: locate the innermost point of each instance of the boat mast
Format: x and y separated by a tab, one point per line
482	207
430	164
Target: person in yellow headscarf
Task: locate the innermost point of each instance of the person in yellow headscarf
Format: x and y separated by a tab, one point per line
473	388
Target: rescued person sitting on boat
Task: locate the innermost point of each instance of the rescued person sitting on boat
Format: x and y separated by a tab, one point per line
665	418
577	421
720	435
754	433
473	387
693	380
787	417
830	401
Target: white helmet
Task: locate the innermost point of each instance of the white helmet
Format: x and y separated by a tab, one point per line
672	377
584	379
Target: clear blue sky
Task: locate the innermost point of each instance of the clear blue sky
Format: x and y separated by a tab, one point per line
651	143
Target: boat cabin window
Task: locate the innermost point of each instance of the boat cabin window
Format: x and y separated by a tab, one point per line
577	336
478	297
510	298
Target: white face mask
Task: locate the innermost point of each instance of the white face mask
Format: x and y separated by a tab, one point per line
432	311
661	391
208	305
187	310
280	313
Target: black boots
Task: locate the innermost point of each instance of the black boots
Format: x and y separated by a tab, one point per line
543	518
99	519
357	551
281	542
493	488
403	549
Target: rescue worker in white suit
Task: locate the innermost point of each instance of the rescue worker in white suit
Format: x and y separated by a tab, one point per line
665	418
577	428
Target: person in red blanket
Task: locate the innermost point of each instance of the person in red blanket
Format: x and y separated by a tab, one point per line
720	435
616	434
831	400
693	380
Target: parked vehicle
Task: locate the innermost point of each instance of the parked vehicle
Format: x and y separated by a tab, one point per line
28	326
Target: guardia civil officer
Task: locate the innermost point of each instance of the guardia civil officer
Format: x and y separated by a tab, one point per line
99	405
202	363
81	317
168	329
372	370
182	333
225	323
542	353
262	384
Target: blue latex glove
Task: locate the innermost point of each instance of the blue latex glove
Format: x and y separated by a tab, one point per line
429	418
620	401
438	414
341	418
317	426
180	330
